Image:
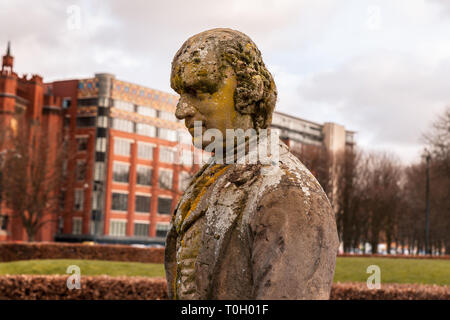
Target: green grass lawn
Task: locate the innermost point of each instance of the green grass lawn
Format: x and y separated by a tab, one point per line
347	269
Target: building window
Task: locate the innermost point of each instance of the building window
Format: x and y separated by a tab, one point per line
99	171
82	143
144	175
117	228
77	225
81	170
119	201
100	145
102	122
123	125
66	103
145	151
146	111
184	180
167	115
78	203
166	155
122	147
184	137
87	102
165	179
145	130
167	134
121	172
162	229
164	205
143	204
83	122
186	157
141	229
123	105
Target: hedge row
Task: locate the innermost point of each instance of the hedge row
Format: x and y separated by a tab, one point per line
139	288
12	251
397	256
55	250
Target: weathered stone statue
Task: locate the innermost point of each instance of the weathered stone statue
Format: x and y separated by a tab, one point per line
260	230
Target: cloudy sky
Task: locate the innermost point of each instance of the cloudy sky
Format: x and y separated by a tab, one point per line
381	68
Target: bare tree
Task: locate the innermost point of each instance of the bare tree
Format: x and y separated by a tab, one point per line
34	176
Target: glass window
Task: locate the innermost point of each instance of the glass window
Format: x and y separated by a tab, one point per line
81	170
66	103
166	155
186	157
164	205
78	203
141	229
143	204
77	225
124	105
145	151
167	134
121	172
162	229
184	180
144	175
83	122
119	201
87	102
145	130
82	143
122	147
165	179
117	228
166	115
123	125
146	111
99	171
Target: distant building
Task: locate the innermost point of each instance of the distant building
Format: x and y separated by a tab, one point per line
131	157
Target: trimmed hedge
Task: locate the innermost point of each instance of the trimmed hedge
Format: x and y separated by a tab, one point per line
13	251
394	256
32	287
54	250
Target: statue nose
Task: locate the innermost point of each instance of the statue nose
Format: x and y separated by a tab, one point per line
184	110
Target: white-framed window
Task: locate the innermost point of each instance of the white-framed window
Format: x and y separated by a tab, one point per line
100	144
77	225
102	121
119	201
99	171
117	227
124	105
121	172
184	137
78	203
145	151
146	129
166	115
146	111
142	203
166	154
144	175
186	157
123	125
122	147
141	228
162	229
183	180
164	205
165	179
167	134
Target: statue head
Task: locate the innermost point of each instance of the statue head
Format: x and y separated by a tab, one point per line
222	82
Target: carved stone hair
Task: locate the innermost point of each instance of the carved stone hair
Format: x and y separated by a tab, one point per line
210	52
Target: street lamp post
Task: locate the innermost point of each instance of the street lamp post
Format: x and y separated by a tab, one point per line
427	206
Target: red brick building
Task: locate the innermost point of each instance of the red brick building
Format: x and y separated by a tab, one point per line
27	96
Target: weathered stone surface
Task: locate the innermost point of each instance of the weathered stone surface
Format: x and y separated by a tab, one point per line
244	231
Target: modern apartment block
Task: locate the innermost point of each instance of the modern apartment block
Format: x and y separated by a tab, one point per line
130	159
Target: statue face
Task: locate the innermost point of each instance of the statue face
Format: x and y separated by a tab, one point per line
211	103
